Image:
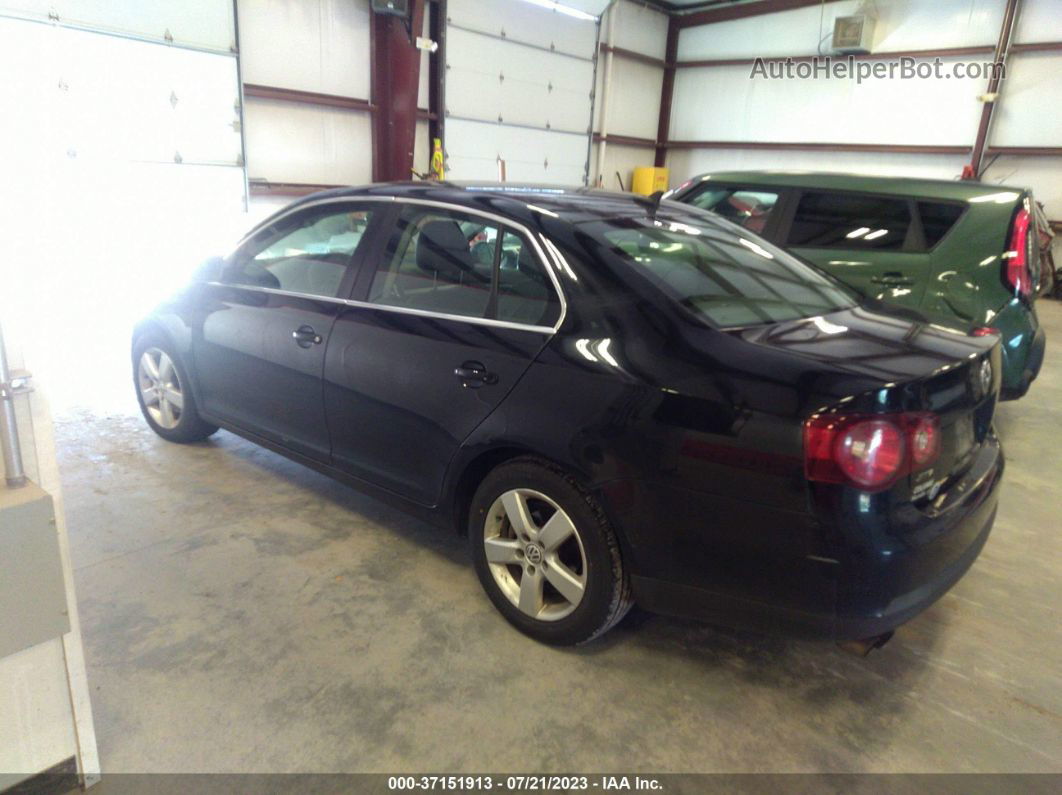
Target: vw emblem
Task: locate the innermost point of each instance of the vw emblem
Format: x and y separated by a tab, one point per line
986	376
534	554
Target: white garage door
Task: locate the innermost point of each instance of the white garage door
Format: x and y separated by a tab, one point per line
519	81
122	158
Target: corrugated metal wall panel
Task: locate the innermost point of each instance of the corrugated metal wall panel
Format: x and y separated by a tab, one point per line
309	45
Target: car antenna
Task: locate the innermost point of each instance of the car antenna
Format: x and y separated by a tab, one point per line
652	202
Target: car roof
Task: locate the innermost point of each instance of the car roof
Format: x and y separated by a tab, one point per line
518	201
901	186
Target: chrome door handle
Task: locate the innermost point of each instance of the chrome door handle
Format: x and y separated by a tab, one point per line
474	375
305	336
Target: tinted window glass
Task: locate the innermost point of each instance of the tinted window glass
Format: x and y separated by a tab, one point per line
937	220
525	293
749	208
728	279
439	261
310	256
457	264
838	220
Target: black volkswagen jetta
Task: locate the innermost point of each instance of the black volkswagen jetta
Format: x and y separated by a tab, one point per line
617	400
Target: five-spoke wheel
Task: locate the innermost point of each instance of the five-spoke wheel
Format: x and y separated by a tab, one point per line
535	554
160	388
546	554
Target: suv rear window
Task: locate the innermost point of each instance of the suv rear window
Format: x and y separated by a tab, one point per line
726	278
937	220
850	221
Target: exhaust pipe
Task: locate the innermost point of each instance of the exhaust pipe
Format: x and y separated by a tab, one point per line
861	648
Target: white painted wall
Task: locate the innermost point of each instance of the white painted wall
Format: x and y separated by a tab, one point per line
307	45
723	104
633	94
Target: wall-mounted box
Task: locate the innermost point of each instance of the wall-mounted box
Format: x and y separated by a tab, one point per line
32	594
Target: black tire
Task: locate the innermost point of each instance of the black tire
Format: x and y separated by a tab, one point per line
606	595
190	427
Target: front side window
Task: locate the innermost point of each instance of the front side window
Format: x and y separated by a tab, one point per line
748	208
850	221
308	255
726	278
455	264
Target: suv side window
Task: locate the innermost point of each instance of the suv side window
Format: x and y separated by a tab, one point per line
308	254
749	208
851	221
456	264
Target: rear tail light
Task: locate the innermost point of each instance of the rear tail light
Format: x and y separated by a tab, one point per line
1017	269
984	331
869	451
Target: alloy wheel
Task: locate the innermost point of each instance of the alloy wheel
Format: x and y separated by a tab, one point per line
535	554
160	388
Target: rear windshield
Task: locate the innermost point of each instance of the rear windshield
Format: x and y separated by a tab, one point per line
728	278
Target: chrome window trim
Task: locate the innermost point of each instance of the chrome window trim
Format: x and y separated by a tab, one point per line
481	321
500	219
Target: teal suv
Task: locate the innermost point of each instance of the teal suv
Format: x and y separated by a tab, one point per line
963	254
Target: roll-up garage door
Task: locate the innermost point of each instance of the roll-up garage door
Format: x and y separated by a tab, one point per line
519	80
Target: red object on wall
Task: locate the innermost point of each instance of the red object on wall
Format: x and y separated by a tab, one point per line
395	80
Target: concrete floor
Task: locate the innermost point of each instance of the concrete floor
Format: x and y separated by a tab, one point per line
242	613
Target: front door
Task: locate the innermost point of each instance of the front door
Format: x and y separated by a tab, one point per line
447	320
260	344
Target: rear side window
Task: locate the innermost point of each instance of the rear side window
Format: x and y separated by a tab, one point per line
456	264
748	208
937	220
850	221
306	254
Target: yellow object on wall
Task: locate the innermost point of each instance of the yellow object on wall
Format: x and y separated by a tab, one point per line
648	180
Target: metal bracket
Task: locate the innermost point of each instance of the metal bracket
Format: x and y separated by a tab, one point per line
18	383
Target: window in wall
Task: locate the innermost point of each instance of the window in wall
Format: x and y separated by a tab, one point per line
310	258
848	220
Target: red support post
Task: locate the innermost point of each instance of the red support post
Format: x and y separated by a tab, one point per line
395	80
667	90
1010	14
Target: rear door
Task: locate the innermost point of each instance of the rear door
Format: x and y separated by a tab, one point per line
444	320
259	344
874	243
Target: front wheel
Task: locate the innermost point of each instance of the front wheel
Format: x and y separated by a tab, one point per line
162	390
546	554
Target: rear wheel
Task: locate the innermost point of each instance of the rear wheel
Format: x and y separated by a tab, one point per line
163	394
546	554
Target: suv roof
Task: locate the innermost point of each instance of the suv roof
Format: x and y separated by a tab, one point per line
901	186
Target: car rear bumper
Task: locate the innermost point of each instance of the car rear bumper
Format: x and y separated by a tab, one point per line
879	578
1023	345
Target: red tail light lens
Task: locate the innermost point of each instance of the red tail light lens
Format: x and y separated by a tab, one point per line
923	434
869	451
984	331
1016	266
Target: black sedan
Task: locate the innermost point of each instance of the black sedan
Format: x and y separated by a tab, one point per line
617	399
